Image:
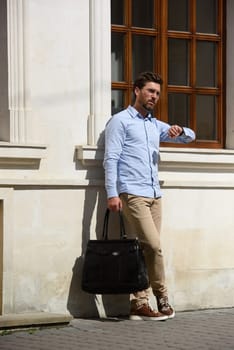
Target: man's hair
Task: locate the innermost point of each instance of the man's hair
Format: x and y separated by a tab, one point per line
146	77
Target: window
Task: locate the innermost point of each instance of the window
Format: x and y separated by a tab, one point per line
184	41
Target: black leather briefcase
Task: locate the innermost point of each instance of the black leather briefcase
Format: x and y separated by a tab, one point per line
114	266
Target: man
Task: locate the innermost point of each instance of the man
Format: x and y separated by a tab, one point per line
132	139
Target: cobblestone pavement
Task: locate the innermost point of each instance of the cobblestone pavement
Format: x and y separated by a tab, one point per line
197	330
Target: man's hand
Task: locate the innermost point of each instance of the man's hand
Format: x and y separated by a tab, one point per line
175	130
114	204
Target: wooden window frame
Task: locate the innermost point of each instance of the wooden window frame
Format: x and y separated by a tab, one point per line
162	34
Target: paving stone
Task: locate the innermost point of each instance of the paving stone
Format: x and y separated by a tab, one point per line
197	330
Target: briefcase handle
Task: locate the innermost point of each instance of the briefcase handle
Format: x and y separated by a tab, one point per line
123	234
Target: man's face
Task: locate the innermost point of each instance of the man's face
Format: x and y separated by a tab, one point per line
148	96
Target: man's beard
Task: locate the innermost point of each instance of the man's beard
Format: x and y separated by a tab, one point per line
148	108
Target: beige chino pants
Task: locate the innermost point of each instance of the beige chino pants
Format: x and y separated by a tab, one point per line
143	220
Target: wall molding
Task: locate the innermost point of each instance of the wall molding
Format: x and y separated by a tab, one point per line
179	167
176	159
18	89
18	156
100	69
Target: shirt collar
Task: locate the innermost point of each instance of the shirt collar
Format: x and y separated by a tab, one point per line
134	113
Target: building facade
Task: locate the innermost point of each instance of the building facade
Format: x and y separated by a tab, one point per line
55	100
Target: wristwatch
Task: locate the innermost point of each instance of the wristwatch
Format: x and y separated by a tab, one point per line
182	132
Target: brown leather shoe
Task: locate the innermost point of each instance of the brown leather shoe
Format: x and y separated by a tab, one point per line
164	307
145	313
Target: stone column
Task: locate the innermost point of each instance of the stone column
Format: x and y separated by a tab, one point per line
100	69
17	70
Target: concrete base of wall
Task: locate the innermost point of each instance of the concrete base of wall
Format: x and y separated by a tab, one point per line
33	319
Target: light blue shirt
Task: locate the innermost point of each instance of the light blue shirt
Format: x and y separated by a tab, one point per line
132	153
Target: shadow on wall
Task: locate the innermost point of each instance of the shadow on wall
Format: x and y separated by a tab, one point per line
81	304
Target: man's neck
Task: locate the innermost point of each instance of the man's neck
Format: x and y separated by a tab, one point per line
141	110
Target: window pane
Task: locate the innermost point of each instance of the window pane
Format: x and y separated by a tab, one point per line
206	64
117	11
117	101
206	117
178	15
142	55
178	65
178	109
206	16
117	57
143	14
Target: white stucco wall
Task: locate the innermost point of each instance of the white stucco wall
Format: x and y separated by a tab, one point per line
58	69
51	203
51	227
198	240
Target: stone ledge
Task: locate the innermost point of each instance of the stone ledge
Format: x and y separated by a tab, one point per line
17	156
171	159
33	319
90	155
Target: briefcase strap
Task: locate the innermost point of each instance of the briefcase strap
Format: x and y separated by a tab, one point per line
123	234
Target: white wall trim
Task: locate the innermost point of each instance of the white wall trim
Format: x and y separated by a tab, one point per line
100	69
15	155
18	92
176	158
90	155
192	159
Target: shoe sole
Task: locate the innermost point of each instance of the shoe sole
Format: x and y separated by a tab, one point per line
171	315
147	318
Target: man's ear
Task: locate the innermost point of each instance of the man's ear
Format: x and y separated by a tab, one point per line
136	91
